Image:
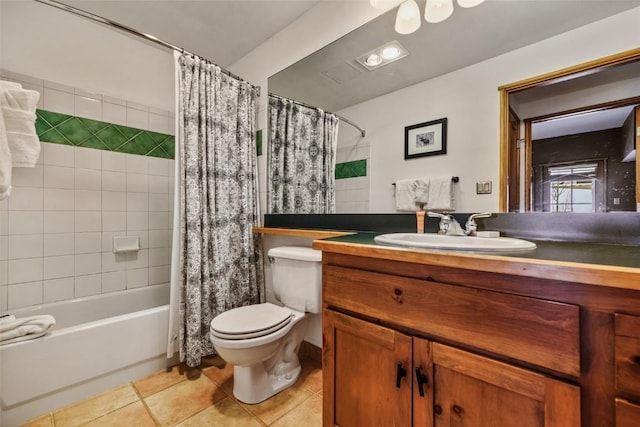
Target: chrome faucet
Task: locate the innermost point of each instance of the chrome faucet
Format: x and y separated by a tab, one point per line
448	224
451	227
471	227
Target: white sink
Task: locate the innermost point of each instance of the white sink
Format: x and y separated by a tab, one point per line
458	243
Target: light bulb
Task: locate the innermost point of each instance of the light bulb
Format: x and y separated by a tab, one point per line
373	60
390	52
438	10
385	4
468	3
408	18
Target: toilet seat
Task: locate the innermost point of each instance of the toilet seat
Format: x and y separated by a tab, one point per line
250	321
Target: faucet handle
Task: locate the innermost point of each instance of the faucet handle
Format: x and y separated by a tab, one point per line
471	226
479	215
438	215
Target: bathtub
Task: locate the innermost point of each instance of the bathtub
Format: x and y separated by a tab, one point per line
98	342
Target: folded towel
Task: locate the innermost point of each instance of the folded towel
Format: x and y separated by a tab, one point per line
25	328
441	197
5	161
405	195
422	191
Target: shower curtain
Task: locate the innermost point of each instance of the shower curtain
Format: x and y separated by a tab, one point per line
217	262
302	158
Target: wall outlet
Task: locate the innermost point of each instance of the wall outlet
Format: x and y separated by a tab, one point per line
483	187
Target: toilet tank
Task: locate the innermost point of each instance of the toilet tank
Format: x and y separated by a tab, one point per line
297	277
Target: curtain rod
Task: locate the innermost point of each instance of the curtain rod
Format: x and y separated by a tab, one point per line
342	119
99	19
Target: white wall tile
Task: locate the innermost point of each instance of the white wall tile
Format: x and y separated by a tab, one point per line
56	199
114	201
158	256
58	266
137	118
88	200
159	274
58	101
137	202
137	221
114	113
26	199
57	154
24	295
86	243
158	184
113	262
88	179
143	236
158	123
59	244
4	221
4	272
114	281
88	158
113	100
158	166
137	278
87	285
137	164
114	181
25	246
115	162
158	220
59	222
158	202
25	222
139	259
172	168
59	177
24	270
58	289
88	264
88	107
4	296
4	248
28	177
88	221
58	86
137	183
114	221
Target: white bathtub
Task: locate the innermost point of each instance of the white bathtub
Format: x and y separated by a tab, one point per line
98	342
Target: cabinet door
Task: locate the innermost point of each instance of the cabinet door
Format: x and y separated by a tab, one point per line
366	373
475	391
627	413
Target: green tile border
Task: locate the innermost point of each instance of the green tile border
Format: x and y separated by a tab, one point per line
81	132
351	169
259	142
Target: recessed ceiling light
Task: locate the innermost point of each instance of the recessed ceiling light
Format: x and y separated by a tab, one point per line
373	60
390	52
382	55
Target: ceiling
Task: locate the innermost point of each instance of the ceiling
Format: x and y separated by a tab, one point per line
222	31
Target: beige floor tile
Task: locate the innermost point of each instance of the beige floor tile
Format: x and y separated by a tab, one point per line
226	412
278	405
163	379
43	421
184	399
95	407
220	372
311	375
134	414
307	414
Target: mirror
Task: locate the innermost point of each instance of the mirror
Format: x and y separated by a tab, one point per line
453	70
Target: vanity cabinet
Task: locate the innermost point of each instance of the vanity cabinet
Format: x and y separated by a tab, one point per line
488	348
383	377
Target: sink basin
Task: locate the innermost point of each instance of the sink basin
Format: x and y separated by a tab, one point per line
458	243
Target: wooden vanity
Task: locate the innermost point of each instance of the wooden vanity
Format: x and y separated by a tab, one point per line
417	337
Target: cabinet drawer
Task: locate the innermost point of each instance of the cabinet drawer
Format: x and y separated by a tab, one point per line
628	355
627	414
540	332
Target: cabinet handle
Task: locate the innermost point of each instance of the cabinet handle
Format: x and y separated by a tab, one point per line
400	372
422	381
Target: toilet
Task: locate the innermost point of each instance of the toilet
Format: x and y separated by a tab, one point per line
261	341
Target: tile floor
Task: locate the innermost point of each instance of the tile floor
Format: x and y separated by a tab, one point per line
195	397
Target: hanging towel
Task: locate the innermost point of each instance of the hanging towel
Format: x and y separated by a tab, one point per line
422	191
405	195
14	329
441	197
5	161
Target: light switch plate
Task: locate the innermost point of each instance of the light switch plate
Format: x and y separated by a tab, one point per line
483	187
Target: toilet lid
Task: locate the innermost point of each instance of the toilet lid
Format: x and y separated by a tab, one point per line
250	321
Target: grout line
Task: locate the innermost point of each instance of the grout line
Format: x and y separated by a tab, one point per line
146	407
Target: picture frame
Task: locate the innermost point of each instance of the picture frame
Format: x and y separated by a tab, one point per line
425	139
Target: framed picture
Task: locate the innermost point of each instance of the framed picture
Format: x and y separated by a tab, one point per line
425	139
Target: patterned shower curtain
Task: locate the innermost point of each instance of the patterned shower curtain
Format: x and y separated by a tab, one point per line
302	162
220	258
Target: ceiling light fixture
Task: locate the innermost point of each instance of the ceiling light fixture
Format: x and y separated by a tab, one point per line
408	16
383	55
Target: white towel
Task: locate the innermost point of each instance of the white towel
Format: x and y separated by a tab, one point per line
5	161
406	195
14	329
422	191
441	197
